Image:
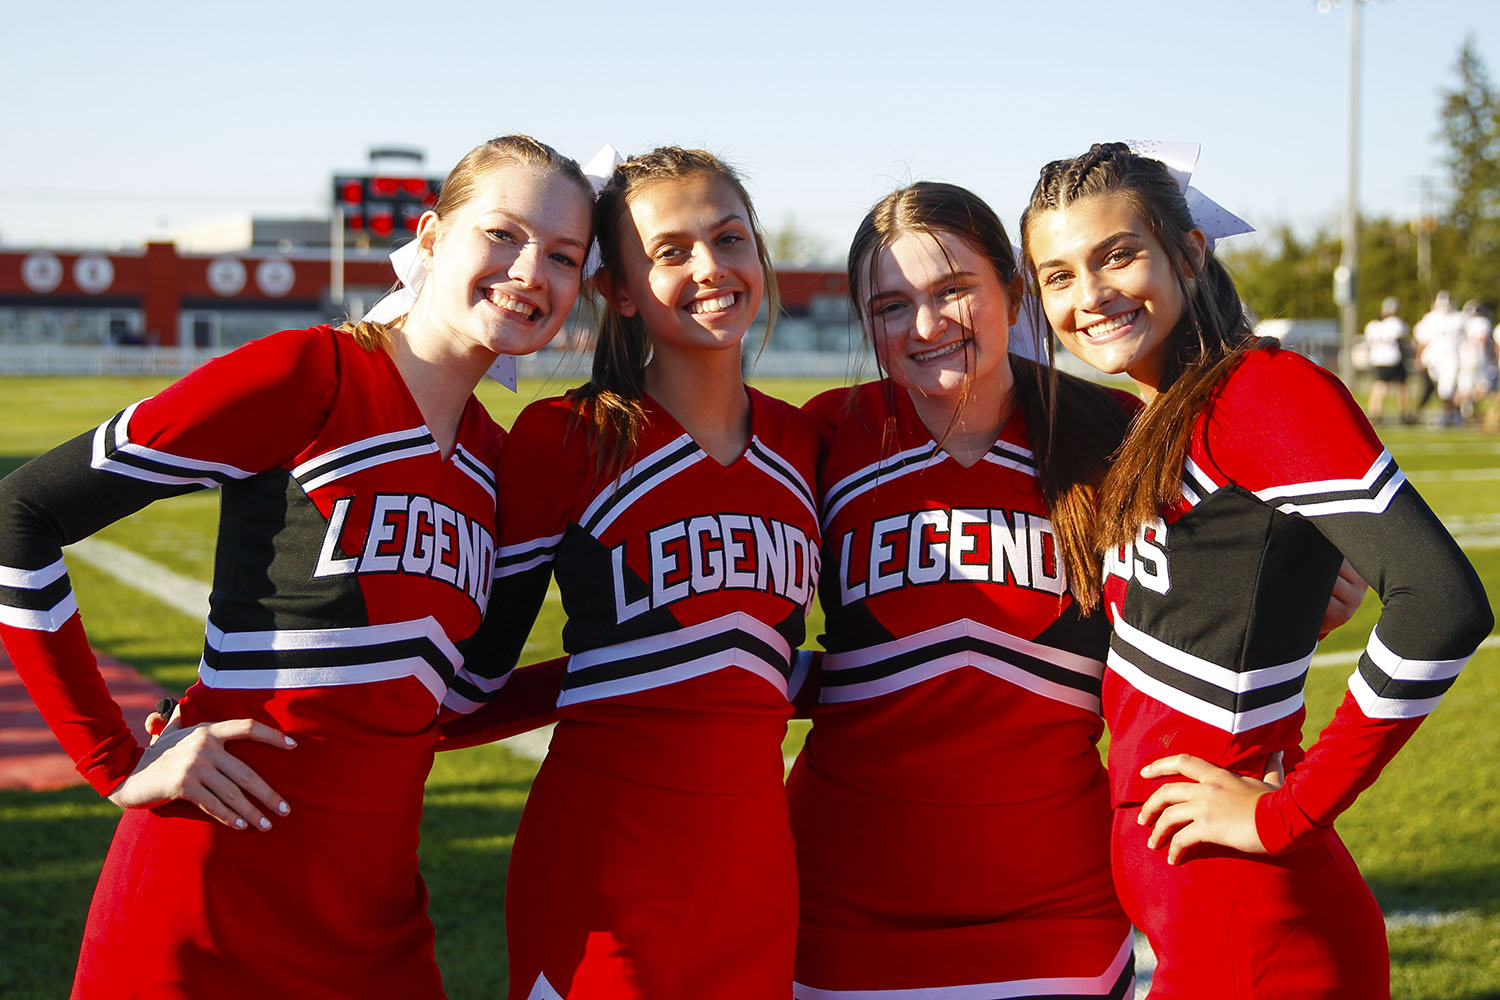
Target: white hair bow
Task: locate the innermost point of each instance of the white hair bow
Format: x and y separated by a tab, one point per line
406	260
1213	219
601	167
599	170
410	273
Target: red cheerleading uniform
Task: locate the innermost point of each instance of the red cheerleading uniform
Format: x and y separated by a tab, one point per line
1216	609
950	808
653	858
353	566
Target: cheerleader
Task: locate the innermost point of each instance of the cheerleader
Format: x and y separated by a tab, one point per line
1223	517
950	807
269	841
674	506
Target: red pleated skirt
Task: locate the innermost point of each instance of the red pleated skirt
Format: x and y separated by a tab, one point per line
628	891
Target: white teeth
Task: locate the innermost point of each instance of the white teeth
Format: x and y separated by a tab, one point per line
1108	326
513	305
712	305
939	352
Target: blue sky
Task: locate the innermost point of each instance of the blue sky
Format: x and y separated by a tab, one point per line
123	119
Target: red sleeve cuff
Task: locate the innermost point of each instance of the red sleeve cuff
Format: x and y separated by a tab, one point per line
63	680
1281	823
111	764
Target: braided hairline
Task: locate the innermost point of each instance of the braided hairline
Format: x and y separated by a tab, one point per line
1209	339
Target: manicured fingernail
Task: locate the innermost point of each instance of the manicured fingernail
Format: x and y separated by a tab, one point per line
283	808
239	823
289	741
265	824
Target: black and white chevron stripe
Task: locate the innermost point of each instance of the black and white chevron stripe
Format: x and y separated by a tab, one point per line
900	663
1390	686
37	599
1232	700
331	657
113	451
1012	456
634	482
1197	485
1369	494
889	468
734	640
469	691
523	556
367	453
779	469
474	469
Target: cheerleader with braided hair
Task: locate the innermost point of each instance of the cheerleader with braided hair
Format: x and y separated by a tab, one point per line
1221	522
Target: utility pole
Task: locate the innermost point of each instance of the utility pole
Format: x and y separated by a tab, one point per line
1346	277
1424	225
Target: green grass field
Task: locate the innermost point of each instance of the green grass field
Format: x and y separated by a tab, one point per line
1427	836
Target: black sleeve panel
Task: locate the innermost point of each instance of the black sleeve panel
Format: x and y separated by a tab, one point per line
57	499
1435	606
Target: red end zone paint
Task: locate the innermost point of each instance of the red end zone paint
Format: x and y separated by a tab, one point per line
29	754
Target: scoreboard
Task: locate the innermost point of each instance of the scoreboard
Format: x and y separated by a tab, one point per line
384	205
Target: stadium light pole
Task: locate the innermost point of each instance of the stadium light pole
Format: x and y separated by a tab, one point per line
1346	276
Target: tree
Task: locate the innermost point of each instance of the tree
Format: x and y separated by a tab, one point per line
1470	116
1284	276
793	246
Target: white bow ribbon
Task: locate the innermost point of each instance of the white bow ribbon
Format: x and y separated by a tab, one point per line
599	170
1216	221
407	263
601	167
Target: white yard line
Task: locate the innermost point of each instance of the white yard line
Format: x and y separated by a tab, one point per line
1349	658
173	589
1421	476
1473	522
1469	447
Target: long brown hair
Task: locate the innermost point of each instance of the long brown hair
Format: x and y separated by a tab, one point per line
1210	338
611	400
458	188
1073	426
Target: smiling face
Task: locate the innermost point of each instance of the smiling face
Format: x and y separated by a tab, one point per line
688	265
1109	287
504	266
939	313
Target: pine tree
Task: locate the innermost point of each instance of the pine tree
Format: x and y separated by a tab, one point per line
1471	130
